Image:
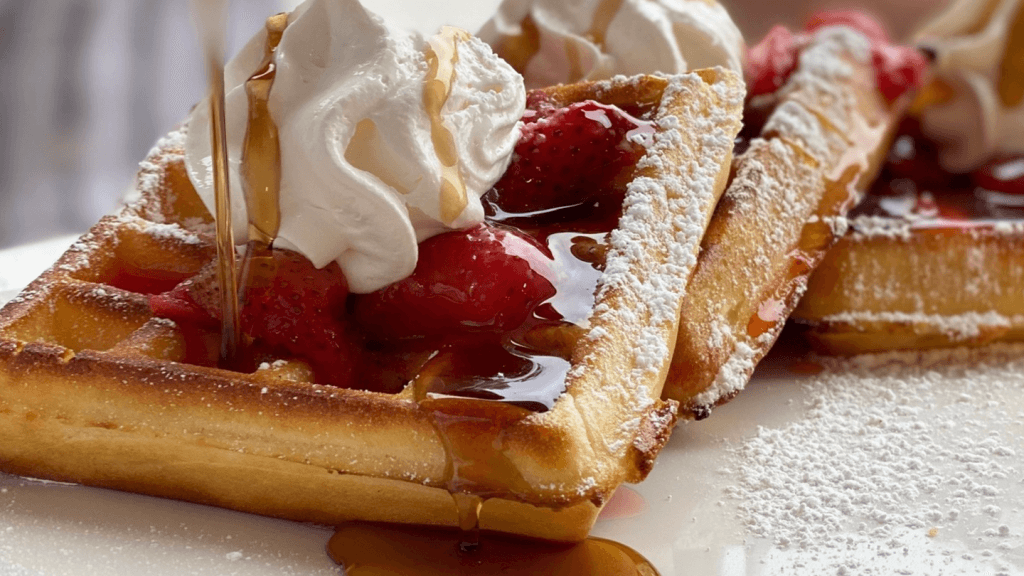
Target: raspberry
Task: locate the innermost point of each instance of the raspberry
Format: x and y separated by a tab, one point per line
1004	175
288	304
568	156
771	62
484	279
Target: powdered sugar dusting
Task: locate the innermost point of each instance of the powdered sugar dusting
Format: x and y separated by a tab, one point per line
895	453
958	327
866	227
817	130
165	231
640	240
152	170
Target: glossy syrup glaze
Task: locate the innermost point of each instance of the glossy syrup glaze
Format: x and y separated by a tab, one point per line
914	188
368	549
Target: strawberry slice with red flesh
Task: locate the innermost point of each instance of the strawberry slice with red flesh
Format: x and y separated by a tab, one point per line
568	156
288	304
897	68
480	280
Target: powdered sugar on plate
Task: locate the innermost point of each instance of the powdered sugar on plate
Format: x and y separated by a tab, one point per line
902	464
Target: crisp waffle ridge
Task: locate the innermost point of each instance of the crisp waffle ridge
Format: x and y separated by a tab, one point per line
819	148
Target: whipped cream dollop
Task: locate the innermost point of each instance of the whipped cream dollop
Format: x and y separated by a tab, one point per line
979	108
386	137
561	41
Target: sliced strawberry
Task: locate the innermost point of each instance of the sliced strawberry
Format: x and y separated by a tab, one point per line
484	279
538	105
568	156
288	304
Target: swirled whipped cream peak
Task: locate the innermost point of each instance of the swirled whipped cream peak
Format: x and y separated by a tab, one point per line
386	137
561	41
978	108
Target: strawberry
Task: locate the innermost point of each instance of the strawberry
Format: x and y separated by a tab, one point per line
288	304
568	156
897	68
483	279
1004	175
771	61
178	304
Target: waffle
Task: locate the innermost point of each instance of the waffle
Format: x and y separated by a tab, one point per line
902	281
889	284
95	390
931	260
825	134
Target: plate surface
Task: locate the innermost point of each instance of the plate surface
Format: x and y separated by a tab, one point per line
895	464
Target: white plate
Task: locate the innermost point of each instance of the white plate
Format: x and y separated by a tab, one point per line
928	462
928	453
694	515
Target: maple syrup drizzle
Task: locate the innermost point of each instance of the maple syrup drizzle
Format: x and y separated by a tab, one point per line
442	55
261	161
843	190
1011	66
468	506
369	549
211	30
472	466
261	148
518	50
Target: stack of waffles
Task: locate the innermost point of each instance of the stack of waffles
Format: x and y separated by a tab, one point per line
721	237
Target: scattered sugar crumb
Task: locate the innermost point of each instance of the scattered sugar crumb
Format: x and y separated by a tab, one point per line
898	457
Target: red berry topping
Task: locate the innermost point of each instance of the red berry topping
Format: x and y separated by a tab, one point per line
288	304
178	304
898	68
1005	175
860	21
771	61
480	279
566	156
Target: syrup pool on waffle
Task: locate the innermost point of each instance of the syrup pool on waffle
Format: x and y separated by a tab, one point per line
915	188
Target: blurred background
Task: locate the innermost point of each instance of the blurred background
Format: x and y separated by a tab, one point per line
87	86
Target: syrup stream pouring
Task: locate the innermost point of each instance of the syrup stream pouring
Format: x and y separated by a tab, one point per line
210	20
261	156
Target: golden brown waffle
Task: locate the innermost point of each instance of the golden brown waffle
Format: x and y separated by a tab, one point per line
889	284
908	283
94	390
822	143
